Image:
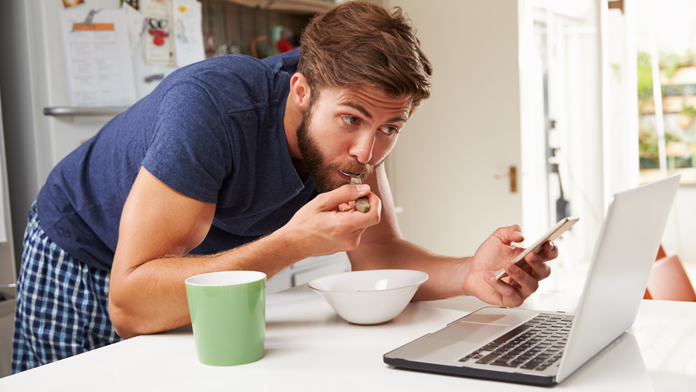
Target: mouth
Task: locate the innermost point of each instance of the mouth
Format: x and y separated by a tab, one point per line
347	176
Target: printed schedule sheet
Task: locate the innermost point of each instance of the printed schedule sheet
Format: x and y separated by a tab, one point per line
98	57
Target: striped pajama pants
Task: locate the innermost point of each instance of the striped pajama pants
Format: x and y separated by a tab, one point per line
62	304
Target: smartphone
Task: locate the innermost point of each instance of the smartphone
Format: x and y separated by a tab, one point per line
560	228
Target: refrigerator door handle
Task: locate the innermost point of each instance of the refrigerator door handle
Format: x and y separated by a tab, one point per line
63	111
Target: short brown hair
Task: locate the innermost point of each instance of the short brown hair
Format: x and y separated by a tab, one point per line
360	43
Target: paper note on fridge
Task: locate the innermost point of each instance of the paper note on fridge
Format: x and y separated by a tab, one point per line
98	57
188	32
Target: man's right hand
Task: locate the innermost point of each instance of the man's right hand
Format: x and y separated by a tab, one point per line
330	223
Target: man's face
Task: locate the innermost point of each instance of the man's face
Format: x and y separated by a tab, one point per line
349	131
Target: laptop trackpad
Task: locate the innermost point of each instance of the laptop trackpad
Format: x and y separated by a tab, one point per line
469	332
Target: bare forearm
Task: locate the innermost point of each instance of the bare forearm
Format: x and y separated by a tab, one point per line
152	297
446	274
160	226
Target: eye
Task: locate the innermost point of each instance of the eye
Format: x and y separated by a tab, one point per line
350	120
389	130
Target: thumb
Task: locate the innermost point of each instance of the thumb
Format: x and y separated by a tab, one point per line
509	234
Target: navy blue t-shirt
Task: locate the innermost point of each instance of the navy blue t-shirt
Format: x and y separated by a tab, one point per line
212	131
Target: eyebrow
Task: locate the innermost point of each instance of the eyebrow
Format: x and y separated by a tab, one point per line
368	115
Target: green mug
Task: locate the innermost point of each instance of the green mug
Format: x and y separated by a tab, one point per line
228	314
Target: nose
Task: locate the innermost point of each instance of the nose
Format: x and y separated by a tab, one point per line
363	146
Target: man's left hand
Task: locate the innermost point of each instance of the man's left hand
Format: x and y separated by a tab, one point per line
497	252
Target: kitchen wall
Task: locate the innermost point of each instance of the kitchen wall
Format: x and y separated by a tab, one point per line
448	170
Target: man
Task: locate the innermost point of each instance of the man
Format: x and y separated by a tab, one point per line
238	164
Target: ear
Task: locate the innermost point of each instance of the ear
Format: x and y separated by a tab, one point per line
299	91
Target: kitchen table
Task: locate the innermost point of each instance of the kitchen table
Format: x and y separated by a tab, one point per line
310	348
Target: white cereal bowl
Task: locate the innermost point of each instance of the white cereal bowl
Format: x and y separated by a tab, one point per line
369	297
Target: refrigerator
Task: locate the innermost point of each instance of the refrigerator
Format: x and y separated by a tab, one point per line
41	127
8	274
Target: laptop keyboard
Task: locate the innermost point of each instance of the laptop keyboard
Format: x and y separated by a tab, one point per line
534	345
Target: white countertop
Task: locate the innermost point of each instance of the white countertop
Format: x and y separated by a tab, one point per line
310	348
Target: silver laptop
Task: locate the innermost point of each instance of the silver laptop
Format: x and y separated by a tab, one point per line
544	348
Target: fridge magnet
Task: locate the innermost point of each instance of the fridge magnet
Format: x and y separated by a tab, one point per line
157	42
159	30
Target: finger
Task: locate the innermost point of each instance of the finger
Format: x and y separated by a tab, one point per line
527	283
511	297
375	203
537	266
330	201
353	219
549	251
509	234
346	207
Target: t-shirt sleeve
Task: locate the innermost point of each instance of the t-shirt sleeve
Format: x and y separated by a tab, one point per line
190	147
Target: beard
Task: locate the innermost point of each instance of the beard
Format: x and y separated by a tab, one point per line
313	160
